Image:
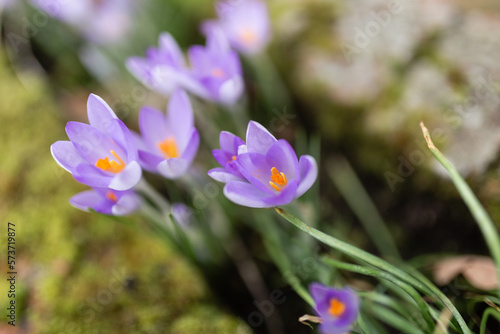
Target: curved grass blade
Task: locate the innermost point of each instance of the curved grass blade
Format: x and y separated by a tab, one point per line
422	305
350	187
489	312
377	262
482	218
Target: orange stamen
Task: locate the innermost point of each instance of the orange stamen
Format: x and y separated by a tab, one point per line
111	165
169	148
278	179
337	308
111	196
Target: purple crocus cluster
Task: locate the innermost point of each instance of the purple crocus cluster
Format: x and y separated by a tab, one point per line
108	157
214	72
337	308
264	172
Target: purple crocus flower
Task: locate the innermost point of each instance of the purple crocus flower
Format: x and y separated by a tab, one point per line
169	143
245	24
102	154
272	174
217	69
103	21
107	201
215	72
226	157
163	69
337	308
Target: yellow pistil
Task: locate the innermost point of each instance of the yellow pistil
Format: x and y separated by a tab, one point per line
337	308
247	36
111	165
278	179
169	148
111	196
218	73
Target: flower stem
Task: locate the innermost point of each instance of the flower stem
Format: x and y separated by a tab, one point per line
482	218
377	262
159	201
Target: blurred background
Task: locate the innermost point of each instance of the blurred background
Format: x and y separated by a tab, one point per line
345	81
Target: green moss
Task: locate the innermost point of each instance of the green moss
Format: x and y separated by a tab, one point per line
81	272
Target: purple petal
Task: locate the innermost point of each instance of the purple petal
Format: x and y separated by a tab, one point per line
199	58
100	115
149	161
259	140
319	292
91	176
93	200
322	296
256	168
330	327
172	168
216	39
229	142
245	194
222	157
180	118
139	141
191	146
169	46
308	174
243	18
140	68
231	90
126	204
153	126
127	178
92	144
125	138
222	175
285	196
65	154
284	159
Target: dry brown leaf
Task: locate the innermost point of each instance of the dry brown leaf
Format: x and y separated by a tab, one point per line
480	271
306	317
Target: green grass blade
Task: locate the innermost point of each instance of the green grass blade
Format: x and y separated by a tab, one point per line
350	187
422	305
377	262
482	218
395	320
489	312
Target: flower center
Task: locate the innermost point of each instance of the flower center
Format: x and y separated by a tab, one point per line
337	308
111	165
111	196
278	179
218	72
169	148
247	36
